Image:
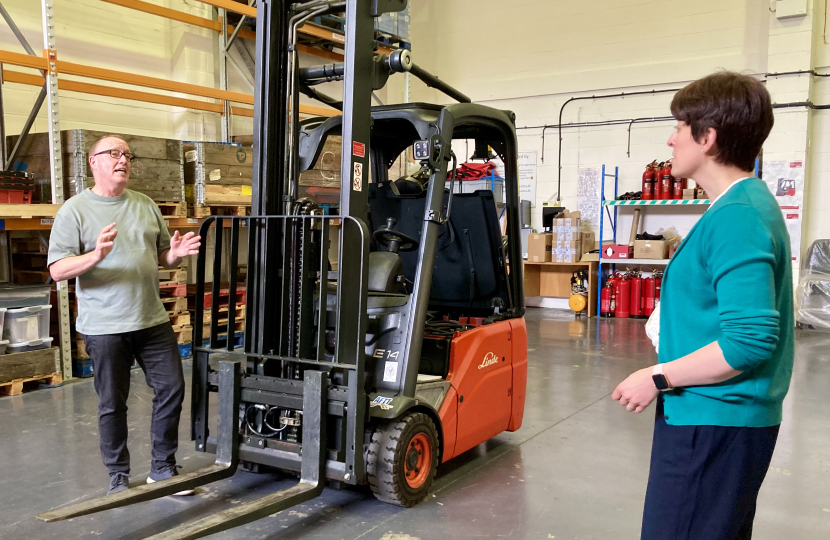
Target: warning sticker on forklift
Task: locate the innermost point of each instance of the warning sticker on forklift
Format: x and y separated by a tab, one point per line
390	372
359	149
358	177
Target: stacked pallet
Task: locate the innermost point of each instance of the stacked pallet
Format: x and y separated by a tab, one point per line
173	293
157	172
217	178
321	182
29	259
223	304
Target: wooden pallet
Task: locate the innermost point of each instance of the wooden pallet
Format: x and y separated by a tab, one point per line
15	387
184	333
173	210
31	277
172	275
205	210
179	319
172	290
175	304
80	349
239	326
223	313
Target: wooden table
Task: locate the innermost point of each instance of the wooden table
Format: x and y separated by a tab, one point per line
554	280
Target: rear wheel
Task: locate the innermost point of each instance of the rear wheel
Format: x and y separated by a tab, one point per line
402	460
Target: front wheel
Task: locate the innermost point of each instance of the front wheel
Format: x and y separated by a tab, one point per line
402	460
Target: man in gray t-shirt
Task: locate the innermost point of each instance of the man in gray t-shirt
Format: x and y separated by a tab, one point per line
112	240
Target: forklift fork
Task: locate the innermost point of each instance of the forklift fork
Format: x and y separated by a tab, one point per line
227	458
312	473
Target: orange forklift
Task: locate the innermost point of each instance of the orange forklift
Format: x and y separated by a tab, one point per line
379	342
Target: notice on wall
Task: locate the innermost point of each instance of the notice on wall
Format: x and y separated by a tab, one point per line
588	189
527	177
785	179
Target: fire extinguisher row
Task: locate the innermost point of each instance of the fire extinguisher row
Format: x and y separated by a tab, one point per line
659	184
629	295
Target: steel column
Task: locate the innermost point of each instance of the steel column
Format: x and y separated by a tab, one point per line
56	162
352	319
223	74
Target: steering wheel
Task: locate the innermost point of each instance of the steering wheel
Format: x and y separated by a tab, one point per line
393	240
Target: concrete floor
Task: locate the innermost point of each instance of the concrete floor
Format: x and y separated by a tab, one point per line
576	470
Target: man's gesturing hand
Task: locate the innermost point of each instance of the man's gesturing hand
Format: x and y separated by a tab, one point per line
106	238
182	246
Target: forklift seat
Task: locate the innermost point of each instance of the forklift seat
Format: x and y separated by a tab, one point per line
376	299
469	276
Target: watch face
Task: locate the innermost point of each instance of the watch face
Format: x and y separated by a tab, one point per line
660	382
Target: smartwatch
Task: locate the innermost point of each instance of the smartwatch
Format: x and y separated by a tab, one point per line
661	382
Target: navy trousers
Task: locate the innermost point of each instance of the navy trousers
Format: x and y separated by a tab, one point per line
157	352
704	480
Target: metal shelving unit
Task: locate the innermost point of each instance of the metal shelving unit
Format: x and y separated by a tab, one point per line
606	209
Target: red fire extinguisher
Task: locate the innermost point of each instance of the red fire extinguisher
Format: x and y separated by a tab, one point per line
605	302
612	293
648	181
658	284
666	181
649	291
636	296
623	299
679	186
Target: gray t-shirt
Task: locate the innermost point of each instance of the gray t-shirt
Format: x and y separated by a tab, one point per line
121	293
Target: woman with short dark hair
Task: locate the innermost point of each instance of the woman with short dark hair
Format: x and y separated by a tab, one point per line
726	325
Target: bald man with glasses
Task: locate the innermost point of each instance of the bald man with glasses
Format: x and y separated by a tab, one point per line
112	240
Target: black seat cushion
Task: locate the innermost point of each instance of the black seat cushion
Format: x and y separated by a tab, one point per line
469	267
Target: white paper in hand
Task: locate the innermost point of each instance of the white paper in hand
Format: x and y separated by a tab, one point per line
653	328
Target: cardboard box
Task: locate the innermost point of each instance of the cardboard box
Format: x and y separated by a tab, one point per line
539	247
616	251
650	249
588	240
570	255
589	257
688	194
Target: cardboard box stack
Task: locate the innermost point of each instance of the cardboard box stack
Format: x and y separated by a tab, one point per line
569	240
566	243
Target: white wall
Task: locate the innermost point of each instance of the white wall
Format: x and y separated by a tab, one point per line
101	35
534	55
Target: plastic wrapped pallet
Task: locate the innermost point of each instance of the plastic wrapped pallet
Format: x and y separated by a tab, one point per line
157	172
812	295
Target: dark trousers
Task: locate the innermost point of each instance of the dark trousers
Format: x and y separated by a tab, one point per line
704	480
157	352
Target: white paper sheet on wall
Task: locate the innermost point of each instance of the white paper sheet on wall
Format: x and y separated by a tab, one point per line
527	177
785	179
588	189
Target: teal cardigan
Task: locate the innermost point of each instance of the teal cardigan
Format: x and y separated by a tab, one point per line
730	281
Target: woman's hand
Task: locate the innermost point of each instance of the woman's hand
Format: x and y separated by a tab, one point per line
637	391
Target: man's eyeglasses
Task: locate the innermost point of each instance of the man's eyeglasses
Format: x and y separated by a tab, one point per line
116	154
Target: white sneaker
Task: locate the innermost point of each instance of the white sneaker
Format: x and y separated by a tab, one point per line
183	493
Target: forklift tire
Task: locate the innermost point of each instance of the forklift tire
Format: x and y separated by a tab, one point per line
402	460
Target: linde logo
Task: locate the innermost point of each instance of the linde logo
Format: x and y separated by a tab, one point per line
489	360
